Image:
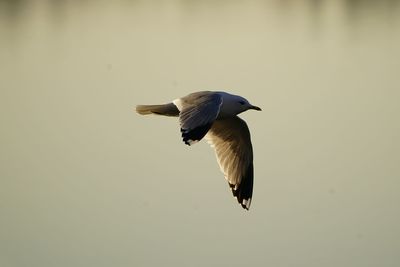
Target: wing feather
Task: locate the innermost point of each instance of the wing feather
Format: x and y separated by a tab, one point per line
198	111
232	143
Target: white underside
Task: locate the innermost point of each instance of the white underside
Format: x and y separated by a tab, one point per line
178	104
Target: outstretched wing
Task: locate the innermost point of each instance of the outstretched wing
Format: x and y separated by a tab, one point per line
198	112
231	140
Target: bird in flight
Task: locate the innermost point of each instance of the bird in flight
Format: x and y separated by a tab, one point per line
213	115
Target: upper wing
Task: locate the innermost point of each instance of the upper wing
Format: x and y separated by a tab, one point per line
231	140
198	112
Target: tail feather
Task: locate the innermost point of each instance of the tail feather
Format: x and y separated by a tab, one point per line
166	110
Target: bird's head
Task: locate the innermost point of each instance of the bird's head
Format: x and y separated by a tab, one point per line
245	104
234	104
240	104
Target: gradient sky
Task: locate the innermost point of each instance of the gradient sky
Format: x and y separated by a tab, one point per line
87	182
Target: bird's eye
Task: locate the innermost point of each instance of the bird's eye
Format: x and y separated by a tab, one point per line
242	103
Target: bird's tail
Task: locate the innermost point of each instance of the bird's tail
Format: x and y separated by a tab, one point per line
166	110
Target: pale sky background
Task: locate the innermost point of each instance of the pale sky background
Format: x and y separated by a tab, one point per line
87	182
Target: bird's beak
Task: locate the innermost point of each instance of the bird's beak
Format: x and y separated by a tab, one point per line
255	108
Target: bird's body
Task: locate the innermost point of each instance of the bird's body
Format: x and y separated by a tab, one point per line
213	115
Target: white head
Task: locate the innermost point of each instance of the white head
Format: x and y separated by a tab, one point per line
234	104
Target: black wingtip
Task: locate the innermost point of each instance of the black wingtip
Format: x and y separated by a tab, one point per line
244	206
244	190
191	136
187	142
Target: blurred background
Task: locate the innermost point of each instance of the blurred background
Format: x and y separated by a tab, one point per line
85	181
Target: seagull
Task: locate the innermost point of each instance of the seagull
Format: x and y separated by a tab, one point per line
213	115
